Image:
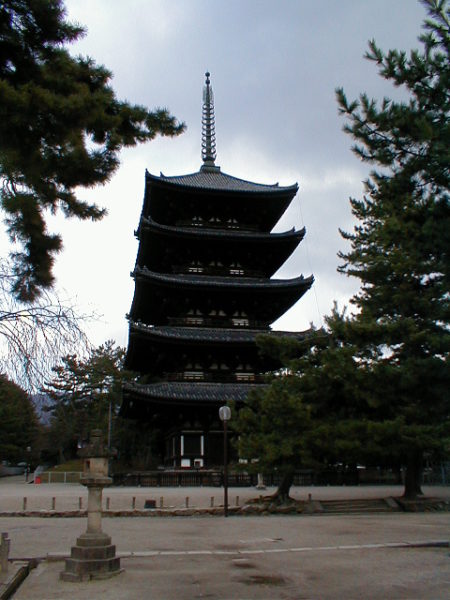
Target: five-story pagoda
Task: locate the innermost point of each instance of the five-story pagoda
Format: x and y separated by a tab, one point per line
203	292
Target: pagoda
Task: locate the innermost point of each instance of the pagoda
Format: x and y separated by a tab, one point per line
203	292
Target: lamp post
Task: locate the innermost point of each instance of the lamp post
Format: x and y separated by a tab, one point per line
225	416
27	469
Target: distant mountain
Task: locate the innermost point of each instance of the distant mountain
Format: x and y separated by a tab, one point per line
41	401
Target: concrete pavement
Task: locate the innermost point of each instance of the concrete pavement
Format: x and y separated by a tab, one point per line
248	557
288	557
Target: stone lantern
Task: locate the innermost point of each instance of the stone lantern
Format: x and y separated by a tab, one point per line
93	557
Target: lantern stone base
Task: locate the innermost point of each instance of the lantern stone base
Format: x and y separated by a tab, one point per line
93	557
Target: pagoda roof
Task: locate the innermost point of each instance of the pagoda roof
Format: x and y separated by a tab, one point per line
209	334
187	392
214	180
233	282
163	246
159	296
219	233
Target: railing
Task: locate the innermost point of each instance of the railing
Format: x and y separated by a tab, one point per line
437	475
217	271
188	478
228	323
207	478
59	476
214	478
224	225
216	377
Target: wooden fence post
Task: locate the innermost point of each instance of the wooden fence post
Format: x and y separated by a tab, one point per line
4	552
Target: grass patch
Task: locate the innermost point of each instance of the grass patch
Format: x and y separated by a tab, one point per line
71	465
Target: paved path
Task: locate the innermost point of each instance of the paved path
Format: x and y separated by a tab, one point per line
39	497
266	558
286	557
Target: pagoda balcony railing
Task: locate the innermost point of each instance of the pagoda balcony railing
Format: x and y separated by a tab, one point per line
220	271
233	323
217	225
209	377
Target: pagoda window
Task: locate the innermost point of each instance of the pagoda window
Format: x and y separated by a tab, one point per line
219	367
194	372
215	264
245	376
197	221
245	372
240	319
236	269
194	320
232	224
217	313
196	267
192	444
194	317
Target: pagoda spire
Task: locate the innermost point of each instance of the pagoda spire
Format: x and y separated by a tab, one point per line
208	128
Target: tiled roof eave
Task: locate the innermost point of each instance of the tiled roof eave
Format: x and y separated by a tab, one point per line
220	182
209	334
222	233
225	282
181	392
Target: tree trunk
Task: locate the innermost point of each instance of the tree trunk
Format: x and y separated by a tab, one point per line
413	476
282	493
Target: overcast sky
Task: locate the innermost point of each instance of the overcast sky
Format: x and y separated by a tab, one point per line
274	68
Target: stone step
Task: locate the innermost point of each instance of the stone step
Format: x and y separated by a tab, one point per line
351	503
356	502
80	570
353	510
93	553
359	506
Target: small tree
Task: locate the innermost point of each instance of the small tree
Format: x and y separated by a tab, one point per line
315	412
271	430
61	127
85	394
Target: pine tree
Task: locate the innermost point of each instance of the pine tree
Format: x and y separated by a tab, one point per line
18	422
400	246
373	387
272	431
316	414
61	126
85	394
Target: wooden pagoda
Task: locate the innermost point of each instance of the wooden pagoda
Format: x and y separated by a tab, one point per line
203	292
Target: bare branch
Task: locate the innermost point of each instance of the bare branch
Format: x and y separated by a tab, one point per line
33	337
